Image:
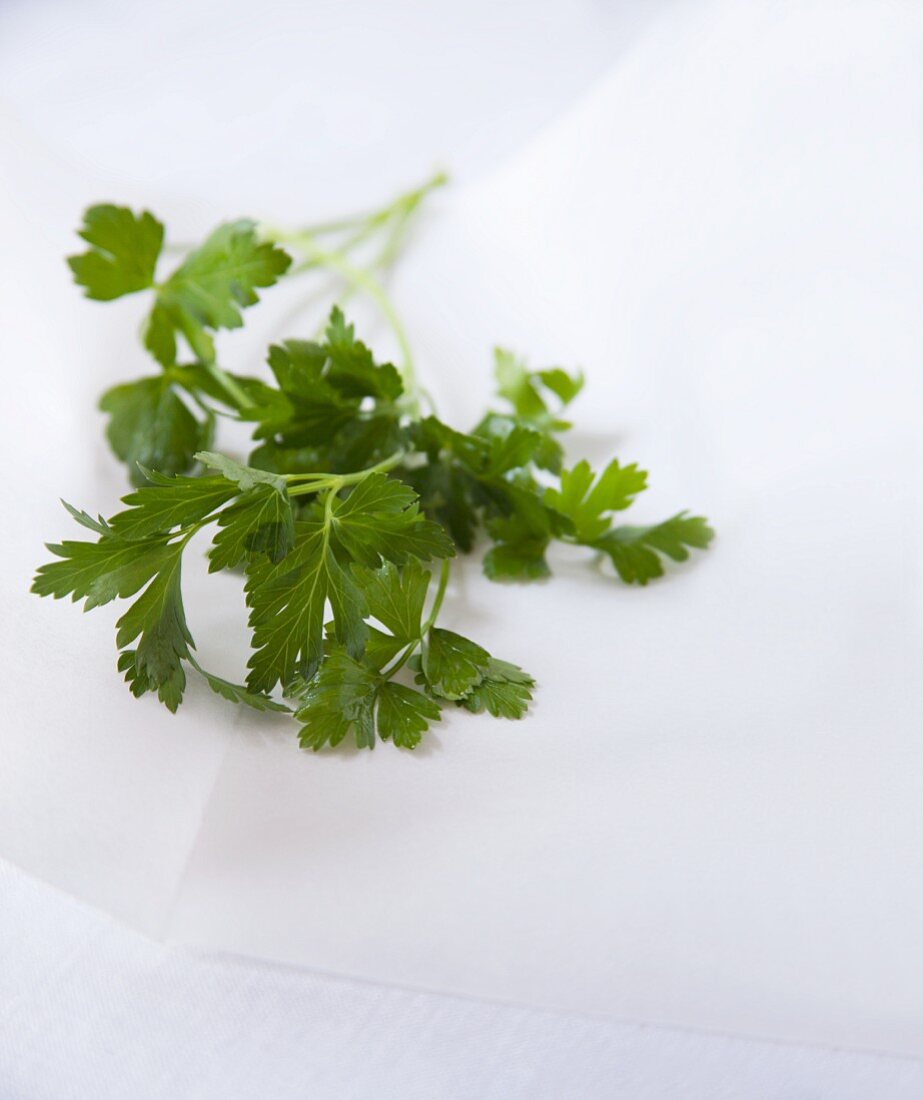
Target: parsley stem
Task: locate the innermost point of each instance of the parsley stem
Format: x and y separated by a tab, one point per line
404	203
336	257
315	482
365	281
230	387
440	596
407	653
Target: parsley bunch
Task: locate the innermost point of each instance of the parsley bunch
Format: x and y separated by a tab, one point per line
352	503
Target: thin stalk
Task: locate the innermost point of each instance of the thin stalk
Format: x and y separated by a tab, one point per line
337	258
388	673
343	247
230	387
380	262
407	653
197	400
377	217
318	481
440	596
363	280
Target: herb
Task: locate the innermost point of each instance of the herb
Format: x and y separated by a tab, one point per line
352	504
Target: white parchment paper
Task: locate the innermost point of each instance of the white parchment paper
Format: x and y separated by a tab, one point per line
712	817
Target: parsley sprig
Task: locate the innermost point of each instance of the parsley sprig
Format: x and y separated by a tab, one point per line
348	512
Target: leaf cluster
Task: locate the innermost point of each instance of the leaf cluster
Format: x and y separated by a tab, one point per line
348	507
507	478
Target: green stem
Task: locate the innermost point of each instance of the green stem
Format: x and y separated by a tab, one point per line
336	258
380	263
388	673
197	399
184	534
407	653
397	211
318	481
230	387
343	247
407	201
440	596
363	280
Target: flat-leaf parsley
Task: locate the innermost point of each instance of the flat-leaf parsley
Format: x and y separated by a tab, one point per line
352	503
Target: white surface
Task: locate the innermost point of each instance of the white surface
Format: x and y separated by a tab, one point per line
713	814
90	1009
293	110
712	818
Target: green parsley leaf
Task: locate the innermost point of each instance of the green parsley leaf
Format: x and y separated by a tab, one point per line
434	437
634	551
502	447
136	550
467	477
347	696
517	385
542	449
563	385
366	440
150	426
532	395
340	698
334	401
505	691
287	602
260	521
312	410
447	495
209	289
396	597
170	502
587	500
527	390
277	459
511	449
404	714
455	668
101	571
519	552
123	253
380	648
452	664
247	477
352	368
380	519
158	620
117	567
99	525
522	535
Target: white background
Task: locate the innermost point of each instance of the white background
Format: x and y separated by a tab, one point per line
761	259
